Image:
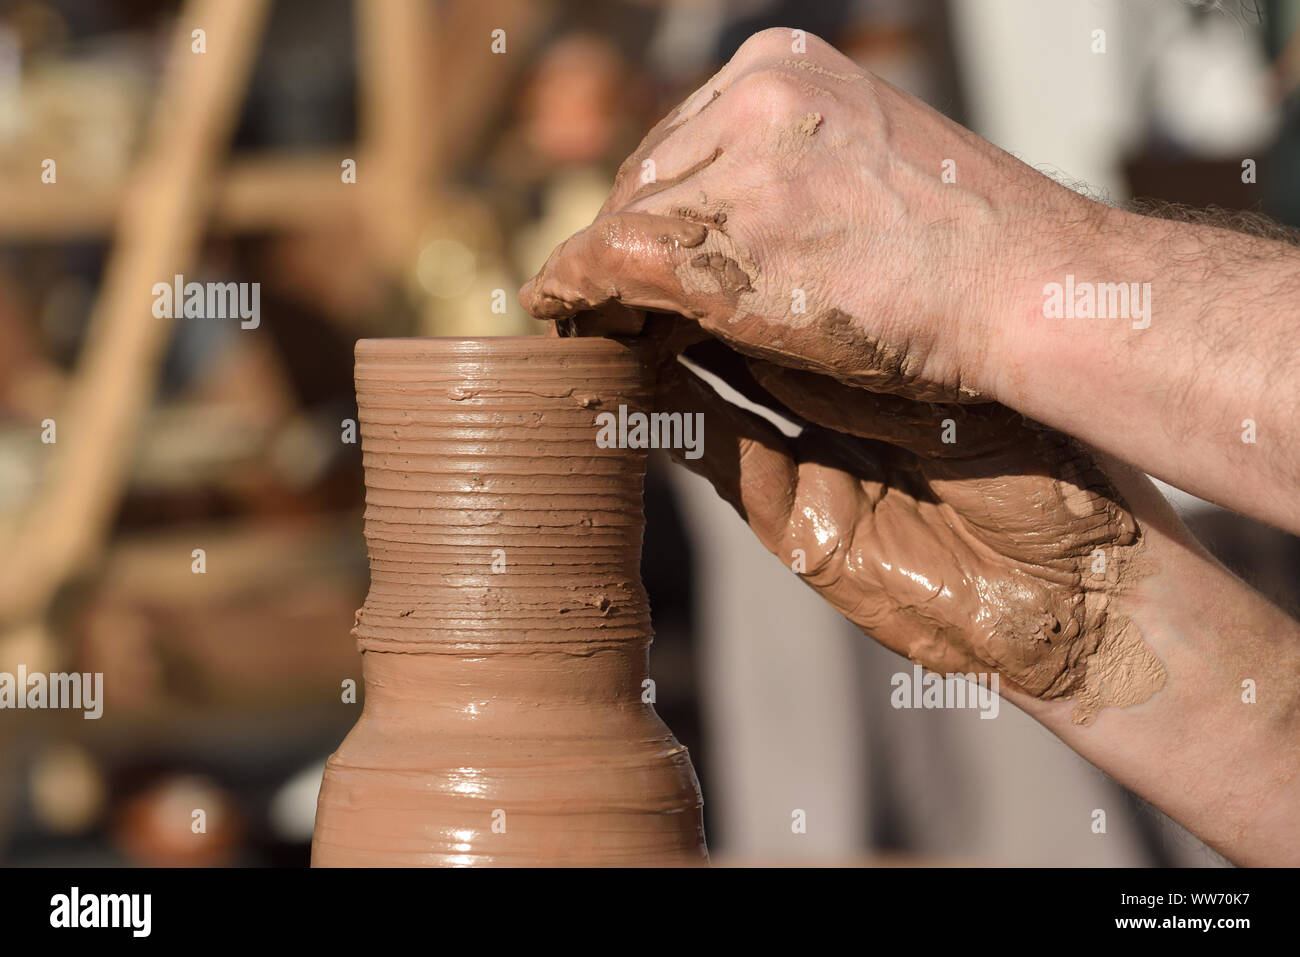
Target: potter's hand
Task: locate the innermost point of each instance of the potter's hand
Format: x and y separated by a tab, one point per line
997	549
808	213
1014	549
795	206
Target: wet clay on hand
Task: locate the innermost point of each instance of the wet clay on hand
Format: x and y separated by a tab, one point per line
1005	549
807	213
506	632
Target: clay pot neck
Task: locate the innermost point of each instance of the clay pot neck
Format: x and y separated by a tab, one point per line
493	517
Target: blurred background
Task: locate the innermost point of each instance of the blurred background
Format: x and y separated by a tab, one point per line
385	168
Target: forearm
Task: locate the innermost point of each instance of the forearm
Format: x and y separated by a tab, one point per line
1220	756
1197	383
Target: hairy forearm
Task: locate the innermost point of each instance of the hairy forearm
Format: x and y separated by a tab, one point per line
1218	748
1198	384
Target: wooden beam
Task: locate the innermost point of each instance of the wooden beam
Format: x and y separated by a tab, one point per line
256	193
164	207
395	53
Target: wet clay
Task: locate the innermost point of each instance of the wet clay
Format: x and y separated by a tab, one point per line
727	273
820	70
1009	550
505	635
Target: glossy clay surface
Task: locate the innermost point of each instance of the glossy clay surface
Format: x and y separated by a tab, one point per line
512	698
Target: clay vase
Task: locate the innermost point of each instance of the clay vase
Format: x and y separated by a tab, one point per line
505	636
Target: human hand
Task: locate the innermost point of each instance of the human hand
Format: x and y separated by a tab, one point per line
796	208
1002	549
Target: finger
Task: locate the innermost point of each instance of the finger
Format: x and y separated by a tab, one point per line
745	458
931	429
651	183
629	176
802	497
667	142
627	258
699	201
611	319
763	50
702	98
690	138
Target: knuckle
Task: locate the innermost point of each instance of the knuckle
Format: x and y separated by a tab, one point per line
774	41
781	42
769	94
816	45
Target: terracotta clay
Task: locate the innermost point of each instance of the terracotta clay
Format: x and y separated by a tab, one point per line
506	632
1010	551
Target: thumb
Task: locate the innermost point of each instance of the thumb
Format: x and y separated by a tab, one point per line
627	258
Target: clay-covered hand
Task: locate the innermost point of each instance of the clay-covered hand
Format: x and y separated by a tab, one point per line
806	212
963	536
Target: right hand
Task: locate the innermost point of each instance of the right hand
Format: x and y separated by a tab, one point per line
797	211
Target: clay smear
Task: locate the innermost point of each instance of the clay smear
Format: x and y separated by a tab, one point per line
978	556
504	721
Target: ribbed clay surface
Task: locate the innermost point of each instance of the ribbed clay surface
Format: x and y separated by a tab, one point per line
504	721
